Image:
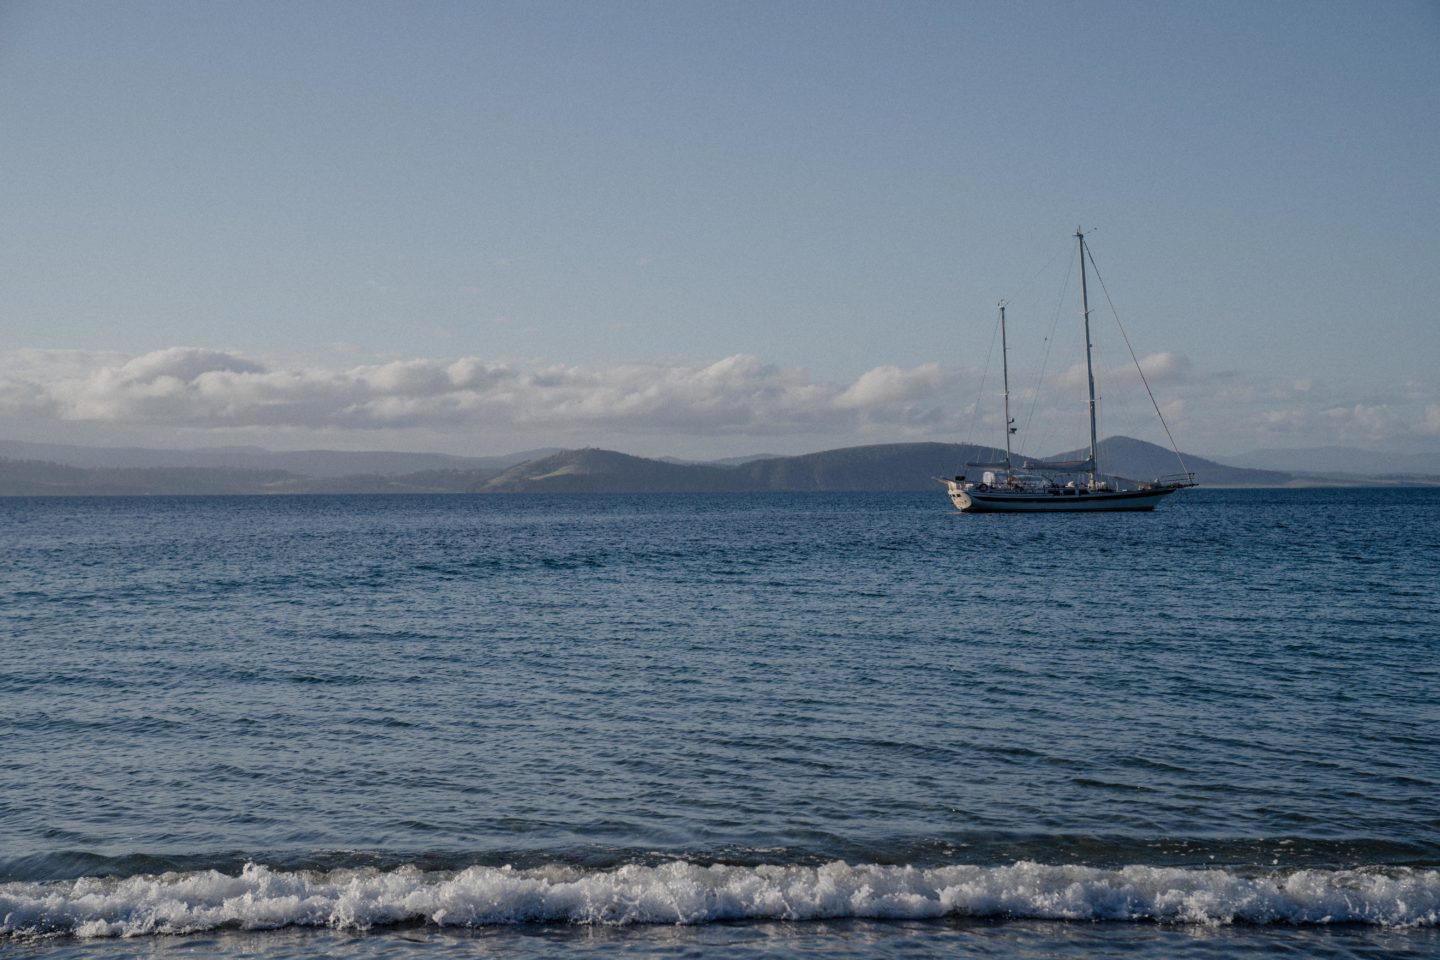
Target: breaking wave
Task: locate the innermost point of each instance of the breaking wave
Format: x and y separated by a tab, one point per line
680	892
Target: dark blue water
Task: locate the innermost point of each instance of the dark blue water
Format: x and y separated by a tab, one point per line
843	724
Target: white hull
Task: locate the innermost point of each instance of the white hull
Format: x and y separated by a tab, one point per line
1006	501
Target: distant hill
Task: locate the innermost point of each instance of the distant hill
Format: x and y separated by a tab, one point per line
34	478
39	478
726	462
605	471
899	466
422	481
1139	460
1347	461
309	463
737	461
886	466
878	467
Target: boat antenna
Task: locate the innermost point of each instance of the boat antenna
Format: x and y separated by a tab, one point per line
1089	362
1005	366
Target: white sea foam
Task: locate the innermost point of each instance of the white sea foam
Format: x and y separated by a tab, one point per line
688	893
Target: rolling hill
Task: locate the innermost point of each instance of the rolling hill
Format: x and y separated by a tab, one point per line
304	463
877	467
1139	460
606	471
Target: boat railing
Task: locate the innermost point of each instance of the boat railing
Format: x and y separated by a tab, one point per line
1176	480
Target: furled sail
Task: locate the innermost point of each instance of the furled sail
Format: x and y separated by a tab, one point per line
1061	466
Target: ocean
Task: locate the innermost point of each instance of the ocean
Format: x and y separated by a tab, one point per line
774	725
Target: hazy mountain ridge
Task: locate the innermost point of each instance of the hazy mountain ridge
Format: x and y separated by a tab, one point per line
1347	461
887	466
305	463
38	478
42	478
876	467
899	466
593	470
1140	460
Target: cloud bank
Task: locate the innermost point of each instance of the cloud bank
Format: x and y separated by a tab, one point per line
202	388
227	394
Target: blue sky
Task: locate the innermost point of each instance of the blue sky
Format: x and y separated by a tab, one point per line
708	229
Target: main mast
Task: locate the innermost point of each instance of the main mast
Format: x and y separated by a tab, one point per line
1005	366
1089	363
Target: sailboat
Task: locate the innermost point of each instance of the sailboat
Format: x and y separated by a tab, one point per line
1078	485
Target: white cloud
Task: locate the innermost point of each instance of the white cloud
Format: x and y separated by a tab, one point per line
1166	367
1430	422
202	388
1159	368
218	393
890	385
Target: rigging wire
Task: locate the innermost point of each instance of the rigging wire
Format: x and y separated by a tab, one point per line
995	332
1049	342
1173	446
1019	297
984	375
